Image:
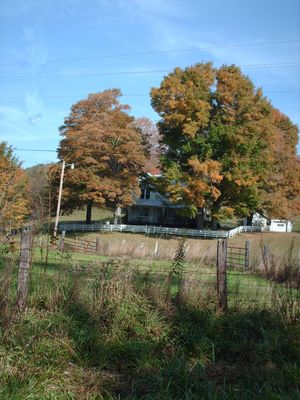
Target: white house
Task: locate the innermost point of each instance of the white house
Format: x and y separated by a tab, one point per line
272	225
155	209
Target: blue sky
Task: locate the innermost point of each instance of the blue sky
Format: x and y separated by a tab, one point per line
53	53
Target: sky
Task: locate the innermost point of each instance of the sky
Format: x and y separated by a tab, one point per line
55	52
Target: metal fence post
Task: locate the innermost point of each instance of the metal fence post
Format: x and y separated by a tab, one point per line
24	266
221	275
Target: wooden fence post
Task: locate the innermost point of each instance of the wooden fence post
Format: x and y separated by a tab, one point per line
221	275
62	241
247	254
97	248
266	260
24	266
156	248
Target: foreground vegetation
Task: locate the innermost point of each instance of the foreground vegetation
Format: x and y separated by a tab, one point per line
111	333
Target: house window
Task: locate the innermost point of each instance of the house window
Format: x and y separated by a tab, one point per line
145	194
145	211
280	224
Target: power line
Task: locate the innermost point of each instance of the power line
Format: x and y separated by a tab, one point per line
74	75
143	53
124	95
66	96
40	150
107	73
53	151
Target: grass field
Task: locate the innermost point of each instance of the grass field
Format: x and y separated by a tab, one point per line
200	251
98	214
142	246
111	335
102	327
199	270
296	225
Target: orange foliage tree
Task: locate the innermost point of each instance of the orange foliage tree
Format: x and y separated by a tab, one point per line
101	139
219	133
14	203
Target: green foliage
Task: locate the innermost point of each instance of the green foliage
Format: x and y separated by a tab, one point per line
223	141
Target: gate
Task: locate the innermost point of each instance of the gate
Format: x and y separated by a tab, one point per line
238	257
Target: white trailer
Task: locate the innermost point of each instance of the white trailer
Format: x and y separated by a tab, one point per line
279	225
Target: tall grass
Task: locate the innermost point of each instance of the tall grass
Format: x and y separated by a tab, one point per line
284	274
106	332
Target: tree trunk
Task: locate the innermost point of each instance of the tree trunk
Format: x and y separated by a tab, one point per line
89	212
214	223
249	219
200	219
117	218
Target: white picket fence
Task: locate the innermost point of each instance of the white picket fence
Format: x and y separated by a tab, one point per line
157	230
245	229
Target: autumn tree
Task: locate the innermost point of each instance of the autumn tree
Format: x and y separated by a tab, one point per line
101	139
280	189
14	204
39	190
218	131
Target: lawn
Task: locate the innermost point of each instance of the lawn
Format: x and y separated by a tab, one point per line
98	215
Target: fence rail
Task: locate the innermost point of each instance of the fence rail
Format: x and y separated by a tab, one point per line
158	230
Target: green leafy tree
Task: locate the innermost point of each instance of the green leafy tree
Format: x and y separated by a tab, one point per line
218	131
100	137
280	188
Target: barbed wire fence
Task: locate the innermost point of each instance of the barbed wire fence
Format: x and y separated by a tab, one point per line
224	286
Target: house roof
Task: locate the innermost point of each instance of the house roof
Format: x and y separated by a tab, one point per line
154	172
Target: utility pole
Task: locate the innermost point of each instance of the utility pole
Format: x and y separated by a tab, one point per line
60	194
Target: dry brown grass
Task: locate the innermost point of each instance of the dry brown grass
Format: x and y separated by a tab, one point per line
279	244
201	251
145	247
